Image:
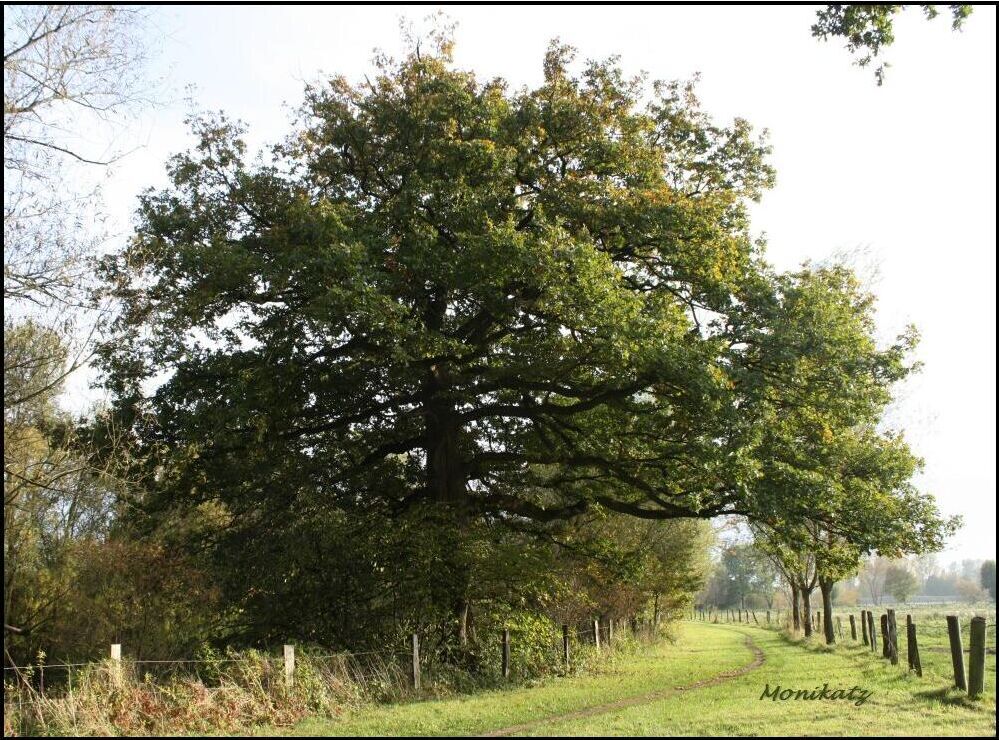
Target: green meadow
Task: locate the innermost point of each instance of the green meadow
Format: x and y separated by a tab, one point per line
707	683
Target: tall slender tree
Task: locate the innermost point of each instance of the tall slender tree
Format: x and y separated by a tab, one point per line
822	455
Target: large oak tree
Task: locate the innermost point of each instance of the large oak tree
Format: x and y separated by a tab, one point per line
499	307
446	291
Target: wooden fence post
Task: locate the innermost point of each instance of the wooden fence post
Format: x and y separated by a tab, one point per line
976	672
768	616
885	636
596	633
116	661
912	648
908	641
506	653
565	646
863	624
289	666
416	661
893	634
839	626
853	628
610	630
956	651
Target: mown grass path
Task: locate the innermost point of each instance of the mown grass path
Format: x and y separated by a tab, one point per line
900	703
701	653
583	714
710	682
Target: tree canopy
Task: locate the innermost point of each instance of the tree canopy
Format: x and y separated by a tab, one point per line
443	291
869	27
495	310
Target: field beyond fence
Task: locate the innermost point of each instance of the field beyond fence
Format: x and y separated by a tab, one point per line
956	643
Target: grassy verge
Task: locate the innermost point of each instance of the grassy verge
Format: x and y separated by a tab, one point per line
900	703
701	652
638	689
934	644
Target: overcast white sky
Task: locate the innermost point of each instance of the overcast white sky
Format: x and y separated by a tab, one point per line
905	172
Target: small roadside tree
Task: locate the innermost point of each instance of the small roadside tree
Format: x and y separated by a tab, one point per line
988	577
900	582
969	592
872	577
848	484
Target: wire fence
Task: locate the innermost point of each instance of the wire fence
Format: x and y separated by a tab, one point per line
521	651
881	633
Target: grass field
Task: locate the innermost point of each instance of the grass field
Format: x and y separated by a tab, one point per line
667	689
934	645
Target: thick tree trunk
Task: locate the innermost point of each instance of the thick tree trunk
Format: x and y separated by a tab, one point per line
795	607
446	477
826	586
447	488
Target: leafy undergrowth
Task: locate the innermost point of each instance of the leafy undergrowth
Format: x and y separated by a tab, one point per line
218	694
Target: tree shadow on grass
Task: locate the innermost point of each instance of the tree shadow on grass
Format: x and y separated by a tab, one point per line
951	697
